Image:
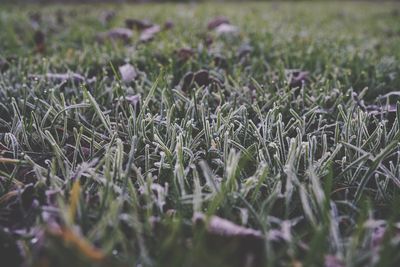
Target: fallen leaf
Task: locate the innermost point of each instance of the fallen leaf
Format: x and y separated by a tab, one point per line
123	34
149	33
169	24
137	24
184	54
61	77
243	246
199	78
128	73
377	110
39	39
244	50
220	62
202	78
217	21
223	227
187	81
226	29
297	78
333	261
134	99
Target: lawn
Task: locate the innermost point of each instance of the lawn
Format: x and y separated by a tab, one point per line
213	134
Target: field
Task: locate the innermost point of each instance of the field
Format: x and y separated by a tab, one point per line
216	134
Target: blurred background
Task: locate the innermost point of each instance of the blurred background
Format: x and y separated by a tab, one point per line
153	1
178	1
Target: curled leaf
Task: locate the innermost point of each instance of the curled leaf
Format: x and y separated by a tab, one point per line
187	81
202	78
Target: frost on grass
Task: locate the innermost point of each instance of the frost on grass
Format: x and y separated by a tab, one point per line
265	135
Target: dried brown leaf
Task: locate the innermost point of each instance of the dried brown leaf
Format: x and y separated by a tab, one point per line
217	21
122	34
243	246
137	24
184	54
202	78
169	24
187	81
297	78
39	39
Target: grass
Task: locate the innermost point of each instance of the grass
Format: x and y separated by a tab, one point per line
114	173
